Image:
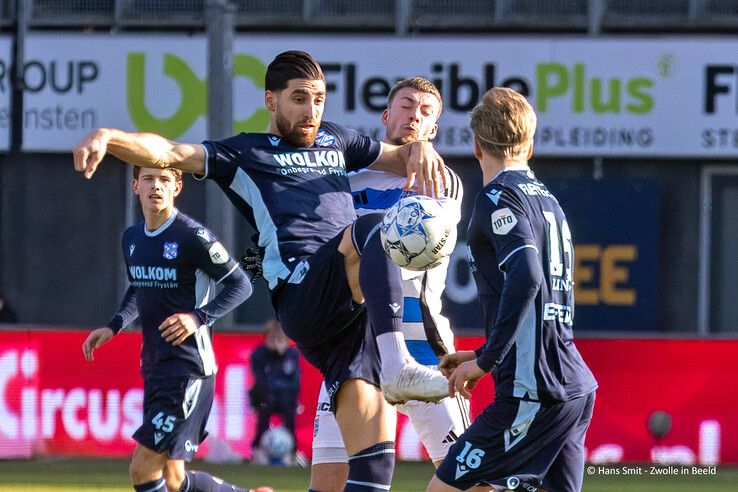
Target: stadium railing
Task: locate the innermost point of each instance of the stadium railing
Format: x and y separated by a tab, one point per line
402	16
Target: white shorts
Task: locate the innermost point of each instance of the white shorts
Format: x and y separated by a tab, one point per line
438	427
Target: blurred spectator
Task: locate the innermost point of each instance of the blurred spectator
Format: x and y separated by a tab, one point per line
7	315
276	369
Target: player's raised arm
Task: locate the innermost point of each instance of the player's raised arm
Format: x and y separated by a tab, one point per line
419	161
139	149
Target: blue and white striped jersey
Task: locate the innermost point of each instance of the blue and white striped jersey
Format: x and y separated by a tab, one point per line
298	198
519	236
174	269
427	332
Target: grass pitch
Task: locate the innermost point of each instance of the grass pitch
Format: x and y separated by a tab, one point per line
86	475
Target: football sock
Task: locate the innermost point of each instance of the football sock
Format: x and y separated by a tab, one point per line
381	283
199	481
371	470
158	485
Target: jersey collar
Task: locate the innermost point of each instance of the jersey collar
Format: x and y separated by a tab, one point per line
517	167
162	227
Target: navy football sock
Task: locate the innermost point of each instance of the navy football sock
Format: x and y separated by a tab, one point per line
199	481
158	485
371	470
381	283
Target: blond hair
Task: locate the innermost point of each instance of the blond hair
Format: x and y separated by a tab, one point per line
418	83
503	123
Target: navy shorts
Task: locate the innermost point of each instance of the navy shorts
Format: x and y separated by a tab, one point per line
316	310
517	444
175	413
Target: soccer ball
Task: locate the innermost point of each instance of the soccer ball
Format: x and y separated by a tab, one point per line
277	443
419	231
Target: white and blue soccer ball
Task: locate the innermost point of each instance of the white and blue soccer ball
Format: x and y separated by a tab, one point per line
419	231
277	443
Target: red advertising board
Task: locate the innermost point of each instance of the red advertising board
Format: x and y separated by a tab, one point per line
53	402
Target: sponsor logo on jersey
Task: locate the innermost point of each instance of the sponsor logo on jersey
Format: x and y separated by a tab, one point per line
559	312
503	221
324	139
170	250
189	447
274	141
320	158
494	195
152	273
218	253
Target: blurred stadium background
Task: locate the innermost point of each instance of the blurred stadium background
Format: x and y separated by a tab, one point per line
638	137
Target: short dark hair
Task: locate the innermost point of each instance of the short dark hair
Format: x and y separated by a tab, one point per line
418	83
290	65
176	172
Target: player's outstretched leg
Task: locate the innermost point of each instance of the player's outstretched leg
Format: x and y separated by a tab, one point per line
380	280
199	481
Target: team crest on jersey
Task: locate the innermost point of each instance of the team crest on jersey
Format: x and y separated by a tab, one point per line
274	141
170	250
131	249
503	221
324	139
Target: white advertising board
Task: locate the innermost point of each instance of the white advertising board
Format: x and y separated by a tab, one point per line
659	97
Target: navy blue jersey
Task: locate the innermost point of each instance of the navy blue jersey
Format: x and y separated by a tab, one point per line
173	270
532	353
297	197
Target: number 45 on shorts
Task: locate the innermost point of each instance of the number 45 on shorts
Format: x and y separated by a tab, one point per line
164	423
468	459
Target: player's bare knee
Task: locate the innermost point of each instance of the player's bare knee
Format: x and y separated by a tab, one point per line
140	473
174	475
328	477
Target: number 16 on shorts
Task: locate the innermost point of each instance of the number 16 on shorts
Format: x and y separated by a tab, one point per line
468	459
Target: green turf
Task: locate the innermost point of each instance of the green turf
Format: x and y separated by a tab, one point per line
85	475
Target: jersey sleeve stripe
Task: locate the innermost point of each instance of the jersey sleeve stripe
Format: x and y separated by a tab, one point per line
519	248
227	274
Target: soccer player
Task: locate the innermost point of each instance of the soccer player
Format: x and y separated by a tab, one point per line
413	108
521	254
327	271
173	265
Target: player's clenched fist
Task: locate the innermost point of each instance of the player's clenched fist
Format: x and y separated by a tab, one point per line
177	327
89	152
95	340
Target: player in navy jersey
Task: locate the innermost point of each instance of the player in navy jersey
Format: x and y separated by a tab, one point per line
413	108
173	265
327	271
521	254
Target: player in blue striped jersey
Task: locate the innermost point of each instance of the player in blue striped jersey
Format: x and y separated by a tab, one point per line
327	271
522	257
174	265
